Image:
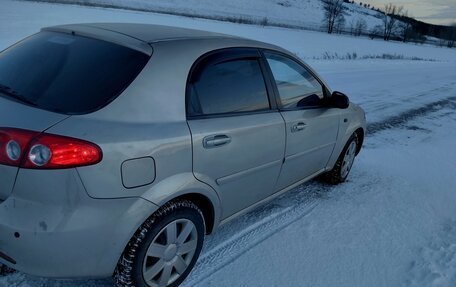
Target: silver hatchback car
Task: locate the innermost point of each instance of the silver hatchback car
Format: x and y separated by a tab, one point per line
123	145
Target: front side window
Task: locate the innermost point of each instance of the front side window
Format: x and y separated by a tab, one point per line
297	87
233	86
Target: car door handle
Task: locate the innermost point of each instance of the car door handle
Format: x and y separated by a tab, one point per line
298	127
216	141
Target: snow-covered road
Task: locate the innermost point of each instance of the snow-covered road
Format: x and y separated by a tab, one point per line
392	224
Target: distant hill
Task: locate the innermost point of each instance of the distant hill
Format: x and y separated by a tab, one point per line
302	14
306	14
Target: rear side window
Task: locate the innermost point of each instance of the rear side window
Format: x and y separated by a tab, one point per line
66	73
233	86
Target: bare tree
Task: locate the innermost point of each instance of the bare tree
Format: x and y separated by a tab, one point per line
390	18
452	41
360	27
448	37
405	27
340	24
376	32
441	42
352	26
333	13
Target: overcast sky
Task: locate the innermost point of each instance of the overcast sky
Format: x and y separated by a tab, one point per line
441	12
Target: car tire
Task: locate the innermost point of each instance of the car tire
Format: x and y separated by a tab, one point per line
5	270
344	163
164	249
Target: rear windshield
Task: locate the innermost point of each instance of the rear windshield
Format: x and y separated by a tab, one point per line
66	73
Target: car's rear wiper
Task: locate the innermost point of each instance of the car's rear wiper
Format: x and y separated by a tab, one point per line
15	95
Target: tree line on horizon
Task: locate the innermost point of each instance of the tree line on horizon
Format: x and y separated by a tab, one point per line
396	24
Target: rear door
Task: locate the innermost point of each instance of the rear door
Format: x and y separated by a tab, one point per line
311	127
238	136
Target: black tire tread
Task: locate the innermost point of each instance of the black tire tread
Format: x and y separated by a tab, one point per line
334	176
5	270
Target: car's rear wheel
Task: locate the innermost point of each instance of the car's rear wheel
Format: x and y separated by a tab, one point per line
164	249
5	270
344	163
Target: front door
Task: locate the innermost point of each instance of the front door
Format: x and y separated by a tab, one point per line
311	127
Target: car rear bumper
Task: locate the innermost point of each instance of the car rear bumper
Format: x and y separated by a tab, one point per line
50	227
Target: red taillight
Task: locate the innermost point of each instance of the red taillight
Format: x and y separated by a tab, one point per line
29	149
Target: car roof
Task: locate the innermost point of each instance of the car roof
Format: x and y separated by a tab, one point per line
153	33
140	36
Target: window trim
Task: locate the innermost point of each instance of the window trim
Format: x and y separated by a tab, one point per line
274	85
224	55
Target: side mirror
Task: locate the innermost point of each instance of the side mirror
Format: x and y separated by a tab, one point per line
339	100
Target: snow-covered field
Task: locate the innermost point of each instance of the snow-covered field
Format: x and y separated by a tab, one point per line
307	14
20	19
392	224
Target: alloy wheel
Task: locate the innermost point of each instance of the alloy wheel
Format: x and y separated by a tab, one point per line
170	253
348	160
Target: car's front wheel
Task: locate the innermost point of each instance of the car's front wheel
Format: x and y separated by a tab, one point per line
164	249
344	163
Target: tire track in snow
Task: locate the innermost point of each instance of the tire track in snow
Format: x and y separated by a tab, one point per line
404	117
229	250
